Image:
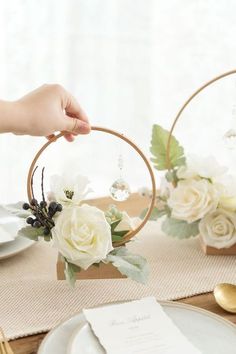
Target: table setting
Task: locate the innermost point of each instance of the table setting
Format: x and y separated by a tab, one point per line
120	274
10	244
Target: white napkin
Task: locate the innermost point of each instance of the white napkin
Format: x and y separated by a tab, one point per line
9	227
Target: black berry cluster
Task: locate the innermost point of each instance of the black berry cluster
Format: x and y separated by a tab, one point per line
43	214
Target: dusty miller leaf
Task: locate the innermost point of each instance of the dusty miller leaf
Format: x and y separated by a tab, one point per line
133	266
156	213
31	232
70	272
159	149
180	228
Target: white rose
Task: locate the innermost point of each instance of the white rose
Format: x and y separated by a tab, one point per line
218	229
206	167
67	189
227	188
192	199
82	235
126	223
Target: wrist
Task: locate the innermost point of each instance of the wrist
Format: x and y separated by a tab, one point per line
8	116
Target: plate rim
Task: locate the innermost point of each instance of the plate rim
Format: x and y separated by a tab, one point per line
15	252
167	303
74	334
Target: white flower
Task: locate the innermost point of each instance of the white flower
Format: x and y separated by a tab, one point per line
218	229
193	199
68	189
228	202
126	223
165	188
227	187
82	235
206	167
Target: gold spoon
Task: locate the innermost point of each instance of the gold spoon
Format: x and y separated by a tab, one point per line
225	296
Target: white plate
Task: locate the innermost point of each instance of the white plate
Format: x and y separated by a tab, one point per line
208	332
84	341
12	248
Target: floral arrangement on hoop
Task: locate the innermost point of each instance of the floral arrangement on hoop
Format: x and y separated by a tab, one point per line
196	195
84	235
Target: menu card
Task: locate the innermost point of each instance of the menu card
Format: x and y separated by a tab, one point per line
137	327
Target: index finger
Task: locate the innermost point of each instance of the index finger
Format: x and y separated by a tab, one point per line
73	108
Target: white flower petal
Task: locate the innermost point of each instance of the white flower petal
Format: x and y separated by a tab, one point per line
68	189
193	199
82	235
206	167
218	229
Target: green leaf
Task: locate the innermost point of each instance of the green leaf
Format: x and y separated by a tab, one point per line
70	272
75	268
156	213
180	228
113	214
114	225
117	235
159	149
31	232
133	266
120	233
116	238
47	238
171	176
14	209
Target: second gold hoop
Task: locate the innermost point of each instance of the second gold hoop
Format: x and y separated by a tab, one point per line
208	83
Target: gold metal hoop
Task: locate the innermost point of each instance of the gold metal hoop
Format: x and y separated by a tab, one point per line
228	73
133	145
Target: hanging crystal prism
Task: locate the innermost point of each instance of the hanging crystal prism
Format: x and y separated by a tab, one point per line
230	139
120	190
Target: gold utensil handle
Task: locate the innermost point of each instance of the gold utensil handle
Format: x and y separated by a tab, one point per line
2	348
4	345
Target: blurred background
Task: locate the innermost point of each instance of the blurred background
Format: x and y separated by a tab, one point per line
130	63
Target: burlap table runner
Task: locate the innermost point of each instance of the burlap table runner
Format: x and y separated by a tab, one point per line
33	301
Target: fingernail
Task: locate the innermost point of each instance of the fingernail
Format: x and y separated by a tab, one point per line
84	127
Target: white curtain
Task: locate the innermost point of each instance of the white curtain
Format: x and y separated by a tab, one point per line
130	63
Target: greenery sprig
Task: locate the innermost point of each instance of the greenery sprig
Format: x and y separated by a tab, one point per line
42	211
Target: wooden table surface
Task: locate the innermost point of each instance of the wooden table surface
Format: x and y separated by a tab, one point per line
30	344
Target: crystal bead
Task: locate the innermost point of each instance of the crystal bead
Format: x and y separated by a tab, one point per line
230	139
120	190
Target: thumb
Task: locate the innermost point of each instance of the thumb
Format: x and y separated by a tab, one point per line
75	126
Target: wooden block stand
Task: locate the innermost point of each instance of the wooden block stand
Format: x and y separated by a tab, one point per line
212	251
104	271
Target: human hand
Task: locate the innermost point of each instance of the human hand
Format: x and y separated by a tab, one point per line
47	110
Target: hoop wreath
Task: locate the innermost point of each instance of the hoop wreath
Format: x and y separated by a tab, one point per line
206	248
132	233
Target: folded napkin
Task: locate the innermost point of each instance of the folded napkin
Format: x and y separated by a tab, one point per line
9	227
